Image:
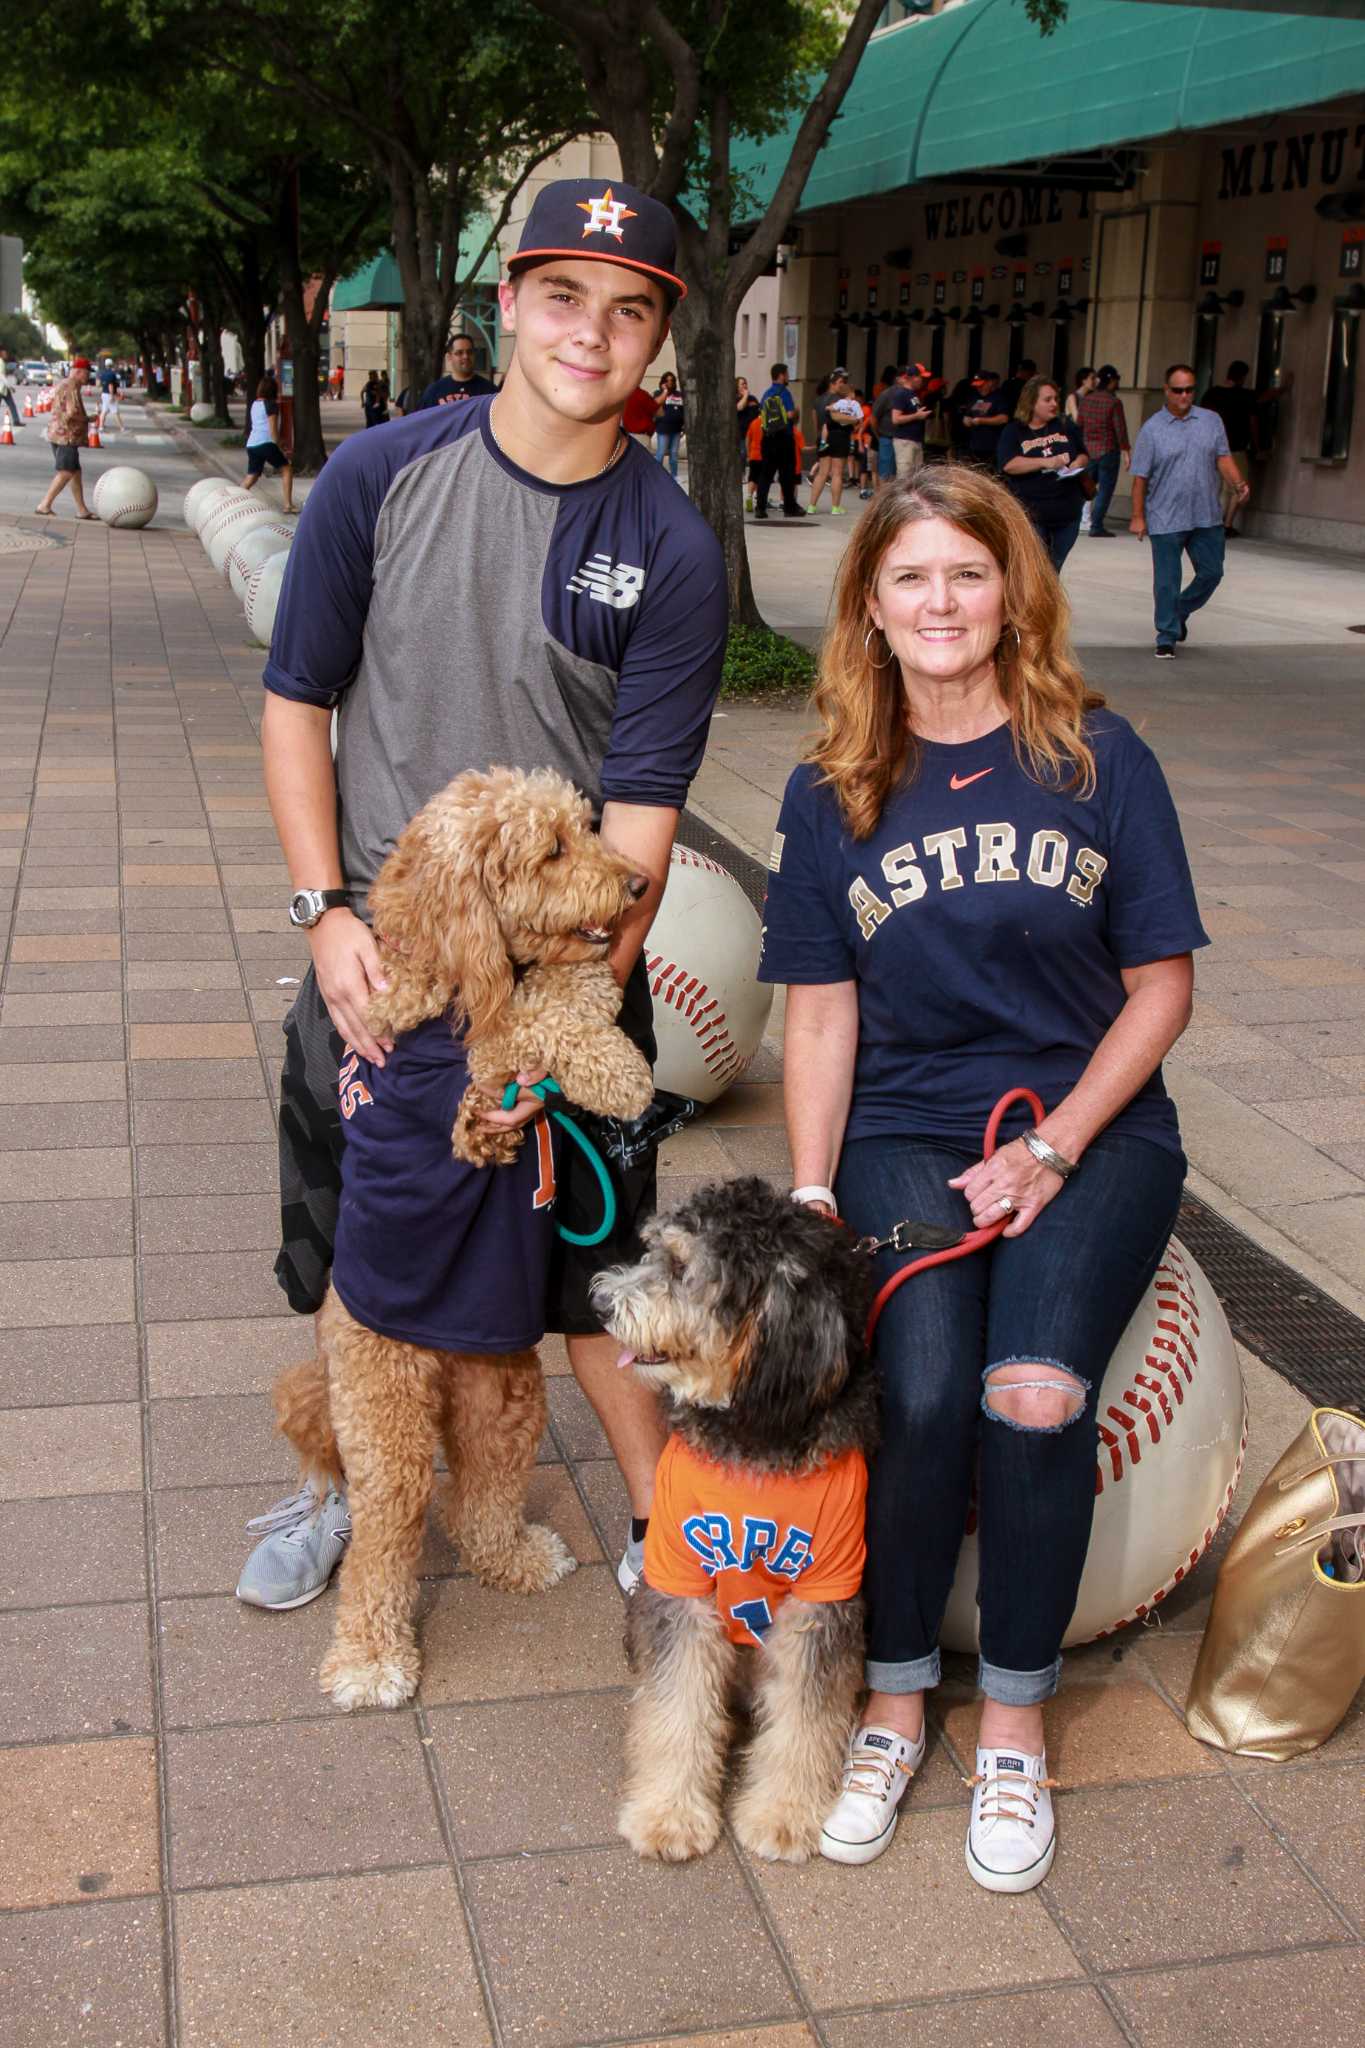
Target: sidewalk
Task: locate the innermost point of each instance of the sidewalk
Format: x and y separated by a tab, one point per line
193	1849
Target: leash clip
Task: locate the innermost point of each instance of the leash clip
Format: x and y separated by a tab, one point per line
911	1236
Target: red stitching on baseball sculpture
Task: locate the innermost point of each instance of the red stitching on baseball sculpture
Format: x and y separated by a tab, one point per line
694	1001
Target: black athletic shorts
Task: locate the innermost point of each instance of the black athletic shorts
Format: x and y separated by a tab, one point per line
66	455
311	1140
265	455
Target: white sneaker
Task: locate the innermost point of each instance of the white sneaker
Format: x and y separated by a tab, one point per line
1011	1838
880	1765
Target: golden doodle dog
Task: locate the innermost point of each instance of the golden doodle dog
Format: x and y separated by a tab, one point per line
749	1311
494	914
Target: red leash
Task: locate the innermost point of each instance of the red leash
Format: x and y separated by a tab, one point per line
973	1240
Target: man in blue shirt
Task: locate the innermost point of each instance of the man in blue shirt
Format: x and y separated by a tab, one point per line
461	381
1178	457
777	423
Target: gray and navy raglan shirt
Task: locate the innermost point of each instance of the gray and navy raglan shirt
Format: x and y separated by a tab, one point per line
464	614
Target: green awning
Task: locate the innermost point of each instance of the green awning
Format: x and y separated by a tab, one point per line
378	286
978	87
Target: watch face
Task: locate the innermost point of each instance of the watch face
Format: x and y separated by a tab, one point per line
302	908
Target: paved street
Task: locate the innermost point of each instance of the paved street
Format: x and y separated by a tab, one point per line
194	1851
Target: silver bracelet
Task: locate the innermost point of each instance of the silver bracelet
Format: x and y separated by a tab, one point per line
813	1192
1045	1155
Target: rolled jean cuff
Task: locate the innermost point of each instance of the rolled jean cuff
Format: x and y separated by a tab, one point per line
920	1674
1016	1688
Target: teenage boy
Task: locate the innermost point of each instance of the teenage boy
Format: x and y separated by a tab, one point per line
595	650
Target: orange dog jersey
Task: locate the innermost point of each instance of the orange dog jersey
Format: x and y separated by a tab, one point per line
753	1538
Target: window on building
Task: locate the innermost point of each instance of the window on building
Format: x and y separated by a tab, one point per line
763	334
1205	352
744	334
1339	390
1269	359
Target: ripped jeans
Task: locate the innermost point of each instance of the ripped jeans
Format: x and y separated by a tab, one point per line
1059	1296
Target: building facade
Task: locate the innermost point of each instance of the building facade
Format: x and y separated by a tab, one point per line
1156	238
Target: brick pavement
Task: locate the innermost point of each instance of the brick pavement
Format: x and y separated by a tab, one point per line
192	1849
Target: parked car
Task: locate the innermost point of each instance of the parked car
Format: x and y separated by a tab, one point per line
34	373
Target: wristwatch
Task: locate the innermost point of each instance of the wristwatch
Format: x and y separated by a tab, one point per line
306	906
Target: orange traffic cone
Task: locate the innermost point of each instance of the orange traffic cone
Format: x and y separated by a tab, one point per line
28	406
6	429
92	439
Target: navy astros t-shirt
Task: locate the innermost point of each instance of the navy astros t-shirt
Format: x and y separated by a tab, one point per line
431	1250
985	921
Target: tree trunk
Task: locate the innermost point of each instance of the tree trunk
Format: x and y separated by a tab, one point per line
310	451
426	316
705	343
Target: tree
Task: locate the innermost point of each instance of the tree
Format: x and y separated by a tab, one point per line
20	337
674	82
440	97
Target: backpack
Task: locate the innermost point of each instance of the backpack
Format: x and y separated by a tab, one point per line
773	415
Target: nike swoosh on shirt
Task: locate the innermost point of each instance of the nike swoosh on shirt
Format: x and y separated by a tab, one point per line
961	781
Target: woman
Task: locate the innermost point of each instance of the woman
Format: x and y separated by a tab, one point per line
263	450
837	413
978	884
669	422
1043	460
1086	380
747	410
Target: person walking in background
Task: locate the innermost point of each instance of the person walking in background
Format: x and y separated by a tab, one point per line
669	422
1042	458
109	397
984	418
68	430
1085	383
909	418
374	400
836	414
1104	428
1181	453
638	416
747	409
338	381
1236	408
882	402
263	450
777	425
461	380
1010	392
7	393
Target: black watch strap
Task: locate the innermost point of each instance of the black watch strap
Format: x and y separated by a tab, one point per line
306	906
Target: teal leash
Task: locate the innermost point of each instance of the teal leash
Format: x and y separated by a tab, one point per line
590	1151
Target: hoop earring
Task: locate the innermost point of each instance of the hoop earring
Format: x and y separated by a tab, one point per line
1018	643
890	657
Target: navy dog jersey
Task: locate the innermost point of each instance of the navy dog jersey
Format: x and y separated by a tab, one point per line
462	612
431	1250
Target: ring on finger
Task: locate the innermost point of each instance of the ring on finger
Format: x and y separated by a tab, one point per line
1006	1203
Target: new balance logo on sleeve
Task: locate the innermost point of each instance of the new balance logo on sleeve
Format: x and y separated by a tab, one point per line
615	584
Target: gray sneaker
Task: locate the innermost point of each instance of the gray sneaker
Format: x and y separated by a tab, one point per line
303	1540
631	1568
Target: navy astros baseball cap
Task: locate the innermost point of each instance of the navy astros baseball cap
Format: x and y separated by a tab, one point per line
611	222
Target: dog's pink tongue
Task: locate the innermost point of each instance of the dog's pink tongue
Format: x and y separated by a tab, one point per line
626	1358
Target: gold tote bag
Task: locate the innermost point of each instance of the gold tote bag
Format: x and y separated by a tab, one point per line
1284	1652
